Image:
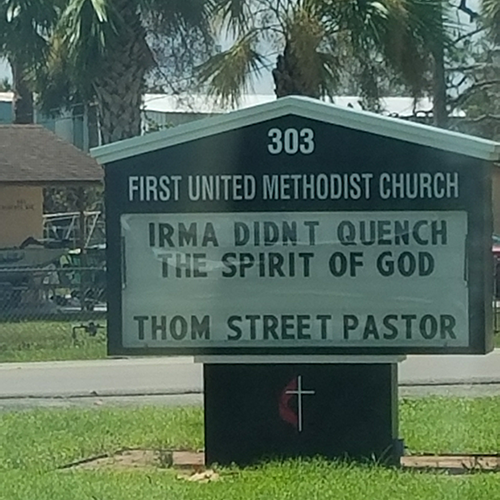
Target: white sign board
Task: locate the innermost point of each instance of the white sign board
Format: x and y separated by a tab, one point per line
295	279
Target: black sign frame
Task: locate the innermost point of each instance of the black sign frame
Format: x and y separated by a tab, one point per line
243	148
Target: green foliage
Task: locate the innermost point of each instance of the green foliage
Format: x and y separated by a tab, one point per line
474	82
228	71
153	126
70	199
318	43
65	51
24	28
491	17
88	29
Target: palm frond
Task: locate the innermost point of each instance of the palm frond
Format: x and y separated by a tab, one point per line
25	27
490	10
403	33
329	73
234	15
431	21
55	83
178	14
87	28
228	73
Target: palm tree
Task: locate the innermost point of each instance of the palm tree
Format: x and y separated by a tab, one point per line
24	30
316	41
105	49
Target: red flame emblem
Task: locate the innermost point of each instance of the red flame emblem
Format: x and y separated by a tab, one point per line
287	413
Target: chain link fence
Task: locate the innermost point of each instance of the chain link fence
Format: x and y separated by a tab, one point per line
54	312
55	293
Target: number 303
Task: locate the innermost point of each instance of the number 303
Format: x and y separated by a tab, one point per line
291	141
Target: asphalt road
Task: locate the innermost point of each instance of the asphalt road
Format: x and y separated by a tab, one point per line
180	378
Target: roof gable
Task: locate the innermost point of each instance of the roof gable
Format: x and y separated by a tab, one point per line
307	108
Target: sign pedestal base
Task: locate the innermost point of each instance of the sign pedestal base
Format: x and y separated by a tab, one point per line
255	412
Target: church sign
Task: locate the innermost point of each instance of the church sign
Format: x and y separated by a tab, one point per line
298	227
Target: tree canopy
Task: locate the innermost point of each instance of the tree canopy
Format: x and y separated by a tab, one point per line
314	42
25	27
101	51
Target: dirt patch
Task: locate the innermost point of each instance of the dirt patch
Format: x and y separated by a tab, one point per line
454	464
143	458
193	462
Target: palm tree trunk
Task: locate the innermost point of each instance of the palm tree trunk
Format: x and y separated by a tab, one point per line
290	79
439	97
439	111
119	89
22	104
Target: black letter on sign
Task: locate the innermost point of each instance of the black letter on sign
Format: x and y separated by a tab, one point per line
425	263
151	234
351	322
201	330
448	322
178	320
209	236
426	322
390	326
231	324
232	267
166	232
346	233
338	264
141	320
188	236
241	234
370	328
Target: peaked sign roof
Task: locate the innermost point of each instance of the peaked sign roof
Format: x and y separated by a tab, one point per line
308	108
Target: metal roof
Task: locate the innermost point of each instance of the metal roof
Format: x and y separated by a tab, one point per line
193	103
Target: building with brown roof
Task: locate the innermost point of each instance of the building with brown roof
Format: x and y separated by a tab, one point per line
31	158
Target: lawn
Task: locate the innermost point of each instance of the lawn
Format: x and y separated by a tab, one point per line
49	341
34	444
52	341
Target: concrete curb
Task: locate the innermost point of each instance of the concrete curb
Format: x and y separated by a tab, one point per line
198	391
102	394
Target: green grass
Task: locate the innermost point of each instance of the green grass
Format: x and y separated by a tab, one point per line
47	439
290	481
451	425
48	341
34	443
